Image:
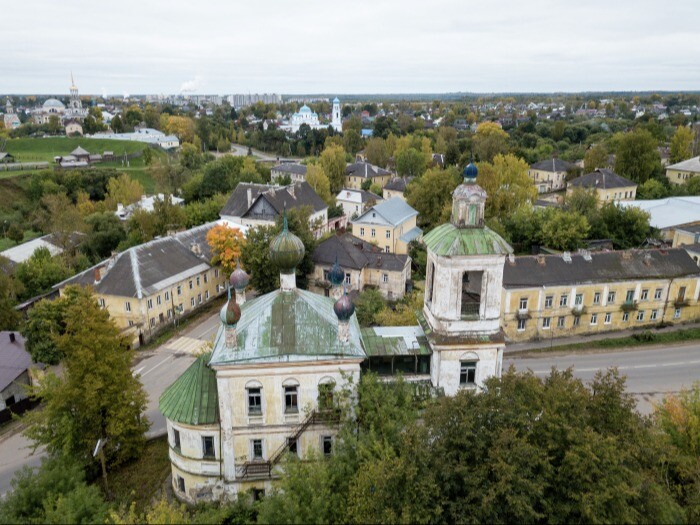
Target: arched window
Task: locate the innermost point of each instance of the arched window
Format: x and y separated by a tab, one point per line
291	396
254	395
471	294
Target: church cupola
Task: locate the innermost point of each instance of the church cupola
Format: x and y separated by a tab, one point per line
344	309
230	315
468	201
239	280
286	252
336	276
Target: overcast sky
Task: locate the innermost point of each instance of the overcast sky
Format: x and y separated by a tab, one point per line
355	46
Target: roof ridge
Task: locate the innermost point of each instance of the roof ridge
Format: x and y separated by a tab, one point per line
135	272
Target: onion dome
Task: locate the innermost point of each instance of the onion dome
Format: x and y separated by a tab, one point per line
337	275
470	172
286	250
231	313
239	279
344	307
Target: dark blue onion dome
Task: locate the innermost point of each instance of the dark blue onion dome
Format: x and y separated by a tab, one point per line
470	172
344	307
239	279
286	250
337	275
231	313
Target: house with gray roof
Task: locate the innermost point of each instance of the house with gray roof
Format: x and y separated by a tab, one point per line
396	187
363	264
296	172
15	374
682	172
355	202
359	172
254	205
608	186
550	174
152	285
391	225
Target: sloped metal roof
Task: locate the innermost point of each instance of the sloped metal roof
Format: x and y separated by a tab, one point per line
391	212
285	326
395	340
193	398
448	240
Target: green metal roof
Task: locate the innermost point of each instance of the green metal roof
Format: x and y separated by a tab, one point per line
448	240
294	325
192	399
389	345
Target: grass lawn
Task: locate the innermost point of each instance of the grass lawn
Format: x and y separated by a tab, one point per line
141	480
45	149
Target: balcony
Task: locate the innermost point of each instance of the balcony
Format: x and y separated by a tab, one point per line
628	306
522	313
680	302
578	310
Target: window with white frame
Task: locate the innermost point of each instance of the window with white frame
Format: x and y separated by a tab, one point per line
198	280
101	302
645	295
594	318
657	293
625	317
385	277
577	320
596	298
521	324
522	305
127	306
176	439
167	296
546	322
548	301
373	233
149	303
347	278
608	318
256	449
611	297
467	373
578	301
254	401
563	300
191	285
291	399
158	300
640	315
677	313
362	232
561	322
192	302
654	314
153	322
388	234
179	289
630	296
206	294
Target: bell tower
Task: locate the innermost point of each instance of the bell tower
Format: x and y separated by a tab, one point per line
462	303
336	122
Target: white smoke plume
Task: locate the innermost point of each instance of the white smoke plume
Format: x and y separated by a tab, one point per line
190	86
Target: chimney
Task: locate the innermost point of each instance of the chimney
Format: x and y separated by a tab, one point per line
541	260
98	275
196	248
12	337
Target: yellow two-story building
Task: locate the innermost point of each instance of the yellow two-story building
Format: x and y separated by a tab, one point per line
150	286
682	172
359	172
566	295
608	186
390	225
550	174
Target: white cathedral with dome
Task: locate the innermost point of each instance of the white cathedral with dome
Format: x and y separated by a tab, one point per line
306	116
270	387
54	107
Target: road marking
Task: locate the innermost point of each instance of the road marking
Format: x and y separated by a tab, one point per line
159	364
137	371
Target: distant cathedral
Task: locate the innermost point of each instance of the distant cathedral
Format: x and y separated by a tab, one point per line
306	116
75	110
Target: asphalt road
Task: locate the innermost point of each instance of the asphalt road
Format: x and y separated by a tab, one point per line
651	373
158	369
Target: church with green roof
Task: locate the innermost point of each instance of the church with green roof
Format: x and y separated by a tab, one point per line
270	387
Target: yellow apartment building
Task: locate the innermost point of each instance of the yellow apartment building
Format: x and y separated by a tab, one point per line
568	295
359	172
390	225
608	186
148	287
550	174
682	172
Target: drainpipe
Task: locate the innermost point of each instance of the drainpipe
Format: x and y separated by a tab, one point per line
668	296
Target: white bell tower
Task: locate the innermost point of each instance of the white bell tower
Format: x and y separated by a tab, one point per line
462	305
336	122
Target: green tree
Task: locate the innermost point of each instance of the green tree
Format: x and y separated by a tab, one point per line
490	140
627	227
332	161
352	141
431	195
376	152
191	157
652	189
105	234
44	325
122	190
54	493
507	184
682	144
98	396
255	257
10	290
636	156
318	180
410	163
368	305
596	157
564	230
41	271
15	233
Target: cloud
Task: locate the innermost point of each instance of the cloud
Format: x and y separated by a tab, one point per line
190	86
